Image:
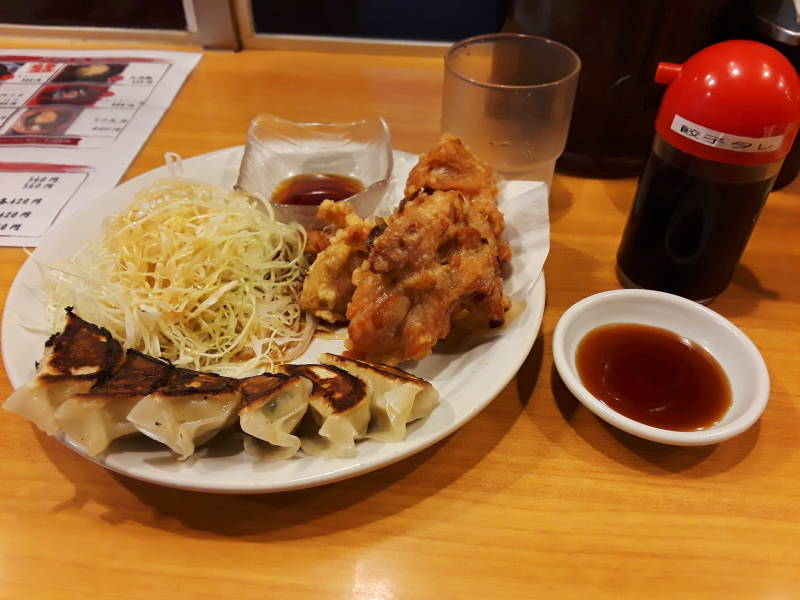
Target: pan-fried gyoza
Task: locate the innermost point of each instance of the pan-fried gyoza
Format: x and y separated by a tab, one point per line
74	360
97	417
85	390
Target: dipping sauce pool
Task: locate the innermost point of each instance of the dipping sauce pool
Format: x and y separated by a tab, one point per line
310	189
653	376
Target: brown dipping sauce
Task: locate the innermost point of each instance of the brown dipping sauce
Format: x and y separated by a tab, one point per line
653	376
310	189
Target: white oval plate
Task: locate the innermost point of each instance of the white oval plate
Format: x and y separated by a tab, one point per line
467	381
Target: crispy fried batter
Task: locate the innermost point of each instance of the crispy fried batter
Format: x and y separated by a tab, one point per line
450	166
328	288
316	242
435	266
437	260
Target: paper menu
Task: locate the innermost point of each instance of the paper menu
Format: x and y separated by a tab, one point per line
31	192
79	117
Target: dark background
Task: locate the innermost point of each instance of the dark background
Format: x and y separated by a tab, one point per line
139	14
436	20
443	20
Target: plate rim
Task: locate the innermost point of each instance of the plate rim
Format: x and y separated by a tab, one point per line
537	301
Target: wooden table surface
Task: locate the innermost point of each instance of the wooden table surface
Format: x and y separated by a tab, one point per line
534	498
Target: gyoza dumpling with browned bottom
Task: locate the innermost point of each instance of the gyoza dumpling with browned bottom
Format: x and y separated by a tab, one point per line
338	412
396	397
74	360
188	410
94	418
272	407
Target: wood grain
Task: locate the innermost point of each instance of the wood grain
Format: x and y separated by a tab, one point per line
533	498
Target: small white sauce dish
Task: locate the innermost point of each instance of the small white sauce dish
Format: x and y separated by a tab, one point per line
732	349
278	149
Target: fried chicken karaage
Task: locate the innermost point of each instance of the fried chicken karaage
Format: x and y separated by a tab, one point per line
328	286
437	264
434	267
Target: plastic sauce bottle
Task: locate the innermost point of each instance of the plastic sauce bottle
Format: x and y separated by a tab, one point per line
726	122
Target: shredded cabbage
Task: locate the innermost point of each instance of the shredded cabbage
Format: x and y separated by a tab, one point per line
201	276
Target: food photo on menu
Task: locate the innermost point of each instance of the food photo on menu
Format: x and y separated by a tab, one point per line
97	72
8	68
82	93
45	121
66	88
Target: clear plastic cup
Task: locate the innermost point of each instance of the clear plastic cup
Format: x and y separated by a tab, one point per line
509	97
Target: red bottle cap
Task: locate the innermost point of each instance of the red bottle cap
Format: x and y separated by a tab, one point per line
735	102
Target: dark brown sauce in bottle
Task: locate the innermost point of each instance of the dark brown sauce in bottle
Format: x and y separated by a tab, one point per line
653	376
310	189
690	222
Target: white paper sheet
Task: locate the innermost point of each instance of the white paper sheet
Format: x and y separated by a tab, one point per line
71	122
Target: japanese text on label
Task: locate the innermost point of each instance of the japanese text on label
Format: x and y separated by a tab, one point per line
722	140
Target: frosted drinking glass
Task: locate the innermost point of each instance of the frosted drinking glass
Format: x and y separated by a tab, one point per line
509	97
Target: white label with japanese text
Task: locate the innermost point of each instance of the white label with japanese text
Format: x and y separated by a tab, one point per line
16	94
102	122
141	73
722	140
35	72
30	200
4	114
123	96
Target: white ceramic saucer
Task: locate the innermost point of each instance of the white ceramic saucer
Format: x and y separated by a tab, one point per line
736	354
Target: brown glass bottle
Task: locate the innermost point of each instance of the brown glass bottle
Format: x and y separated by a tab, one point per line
690	222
